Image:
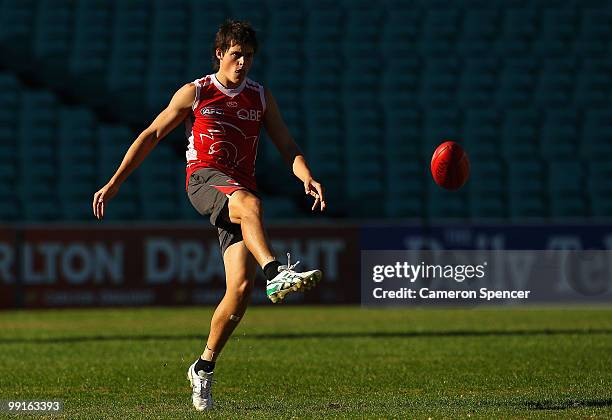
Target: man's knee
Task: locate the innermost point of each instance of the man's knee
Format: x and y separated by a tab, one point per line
243	289
243	204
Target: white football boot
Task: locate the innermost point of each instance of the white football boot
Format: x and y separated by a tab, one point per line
201	385
287	281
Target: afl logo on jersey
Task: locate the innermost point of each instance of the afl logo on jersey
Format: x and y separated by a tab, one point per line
232	104
211	111
249	114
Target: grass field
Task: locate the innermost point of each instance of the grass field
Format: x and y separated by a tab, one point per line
303	362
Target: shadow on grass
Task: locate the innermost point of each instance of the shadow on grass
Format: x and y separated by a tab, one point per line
562	405
308	335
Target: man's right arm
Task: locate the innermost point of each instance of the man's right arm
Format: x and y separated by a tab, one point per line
177	110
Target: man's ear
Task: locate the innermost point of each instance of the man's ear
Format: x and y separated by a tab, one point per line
219	53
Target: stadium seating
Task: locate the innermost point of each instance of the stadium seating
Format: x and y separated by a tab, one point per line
405	188
53	38
92	37
77	157
113	142
168	59
527	189
567	189
9	170
600	188
367	89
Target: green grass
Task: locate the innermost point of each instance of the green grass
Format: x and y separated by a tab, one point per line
312	362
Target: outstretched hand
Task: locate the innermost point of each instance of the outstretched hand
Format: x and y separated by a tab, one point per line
101	198
315	189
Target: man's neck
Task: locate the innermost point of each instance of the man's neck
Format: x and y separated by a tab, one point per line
226	83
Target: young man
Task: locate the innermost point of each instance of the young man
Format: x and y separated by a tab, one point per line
223	113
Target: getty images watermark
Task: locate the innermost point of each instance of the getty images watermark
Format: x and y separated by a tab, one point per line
474	277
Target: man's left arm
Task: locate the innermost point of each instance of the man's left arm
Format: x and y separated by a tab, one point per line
290	151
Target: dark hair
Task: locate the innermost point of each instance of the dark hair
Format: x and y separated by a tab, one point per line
233	32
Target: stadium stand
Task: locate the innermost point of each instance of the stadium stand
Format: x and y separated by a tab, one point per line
367	89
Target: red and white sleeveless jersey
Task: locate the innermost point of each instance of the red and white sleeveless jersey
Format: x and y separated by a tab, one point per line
223	130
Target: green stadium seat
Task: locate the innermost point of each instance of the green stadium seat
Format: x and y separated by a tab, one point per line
441	23
401	30
16	23
286	25
600	188
37	139
92	39
10	210
402	135
443	204
486	188
323	26
478	34
78	145
478	82
251	11
439	82
40	201
362	25
113	143
520	131
596	134
278	208
527	189
77	177
53	34
168	53
481	132
555	88
526	175
128	64
558	29
593	87
517	83
595	31
404	187
365	179
440	29
520	24
560	134
566	182
487	206
202	27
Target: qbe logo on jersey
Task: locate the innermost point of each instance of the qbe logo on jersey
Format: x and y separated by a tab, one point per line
249	114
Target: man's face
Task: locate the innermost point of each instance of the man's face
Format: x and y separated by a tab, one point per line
235	63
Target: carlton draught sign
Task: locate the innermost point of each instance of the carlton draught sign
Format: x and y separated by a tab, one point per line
56	267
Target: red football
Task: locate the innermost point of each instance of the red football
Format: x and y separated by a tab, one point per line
450	166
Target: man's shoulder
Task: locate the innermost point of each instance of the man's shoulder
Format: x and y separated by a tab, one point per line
203	81
253	84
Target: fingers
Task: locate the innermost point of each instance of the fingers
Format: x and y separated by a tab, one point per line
95	201
98	205
319	189
317	200
317	193
314	206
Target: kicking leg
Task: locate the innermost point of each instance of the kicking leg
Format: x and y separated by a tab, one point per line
245	209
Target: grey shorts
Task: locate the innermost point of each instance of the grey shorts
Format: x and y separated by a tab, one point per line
208	191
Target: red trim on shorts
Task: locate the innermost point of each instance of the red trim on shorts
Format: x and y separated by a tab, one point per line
228	190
